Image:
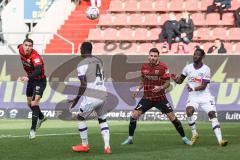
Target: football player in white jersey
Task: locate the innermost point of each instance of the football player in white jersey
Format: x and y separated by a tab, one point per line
93	93
198	76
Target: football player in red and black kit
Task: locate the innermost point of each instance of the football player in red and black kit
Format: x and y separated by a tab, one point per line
155	81
36	82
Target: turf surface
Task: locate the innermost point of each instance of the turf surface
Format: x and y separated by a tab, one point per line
153	141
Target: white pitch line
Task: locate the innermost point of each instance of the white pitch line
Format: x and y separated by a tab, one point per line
40	135
116	133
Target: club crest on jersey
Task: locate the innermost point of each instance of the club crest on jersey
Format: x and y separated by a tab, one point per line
28	60
37	60
156	71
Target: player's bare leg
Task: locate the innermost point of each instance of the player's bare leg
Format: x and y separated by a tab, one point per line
192	124
178	125
132	126
216	128
105	134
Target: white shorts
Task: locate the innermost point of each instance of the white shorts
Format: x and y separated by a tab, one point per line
92	108
206	103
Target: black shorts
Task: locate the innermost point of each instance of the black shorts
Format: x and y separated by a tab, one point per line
36	88
164	106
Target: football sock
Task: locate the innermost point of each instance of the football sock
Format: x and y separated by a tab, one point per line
192	124
93	3
178	126
216	128
82	128
40	116
35	114
105	132
132	126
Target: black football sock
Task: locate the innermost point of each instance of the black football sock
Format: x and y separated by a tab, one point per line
132	126
178	126
35	114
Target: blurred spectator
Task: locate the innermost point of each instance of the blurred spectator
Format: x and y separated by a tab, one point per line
182	48
220	5
170	30
165	49
237	17
186	27
217	48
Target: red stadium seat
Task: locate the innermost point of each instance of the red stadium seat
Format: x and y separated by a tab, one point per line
116	6
228	19
175	5
205	4
198	19
125	34
152	19
96	35
161	5
213	19
141	34
132	6
146	5
237	48
110	34
234	34
163	18
229	47
136	19
105	20
203	34
219	33
193	5
120	20
154	33
235	4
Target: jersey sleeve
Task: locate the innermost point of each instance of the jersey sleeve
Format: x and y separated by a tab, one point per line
166	75
207	76
82	70
185	71
37	60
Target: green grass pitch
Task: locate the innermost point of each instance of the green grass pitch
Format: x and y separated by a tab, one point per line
153	141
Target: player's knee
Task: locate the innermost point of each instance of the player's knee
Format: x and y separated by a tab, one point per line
80	118
136	114
189	111
100	120
34	103
171	116
212	114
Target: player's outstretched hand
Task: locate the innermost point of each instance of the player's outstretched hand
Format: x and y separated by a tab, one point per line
134	95
24	79
174	77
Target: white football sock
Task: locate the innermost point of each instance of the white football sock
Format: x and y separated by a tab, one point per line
192	125
82	127
216	128
105	134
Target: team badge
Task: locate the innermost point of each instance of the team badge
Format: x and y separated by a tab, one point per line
156	71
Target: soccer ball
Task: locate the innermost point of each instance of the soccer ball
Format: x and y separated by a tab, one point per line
92	12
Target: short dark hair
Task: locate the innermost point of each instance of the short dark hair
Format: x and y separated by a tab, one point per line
86	48
200	50
154	50
28	40
218	39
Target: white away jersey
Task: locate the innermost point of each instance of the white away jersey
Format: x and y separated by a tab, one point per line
92	68
195	77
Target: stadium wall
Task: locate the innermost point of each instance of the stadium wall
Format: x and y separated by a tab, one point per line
122	75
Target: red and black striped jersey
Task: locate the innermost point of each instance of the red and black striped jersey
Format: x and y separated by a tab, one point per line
154	76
